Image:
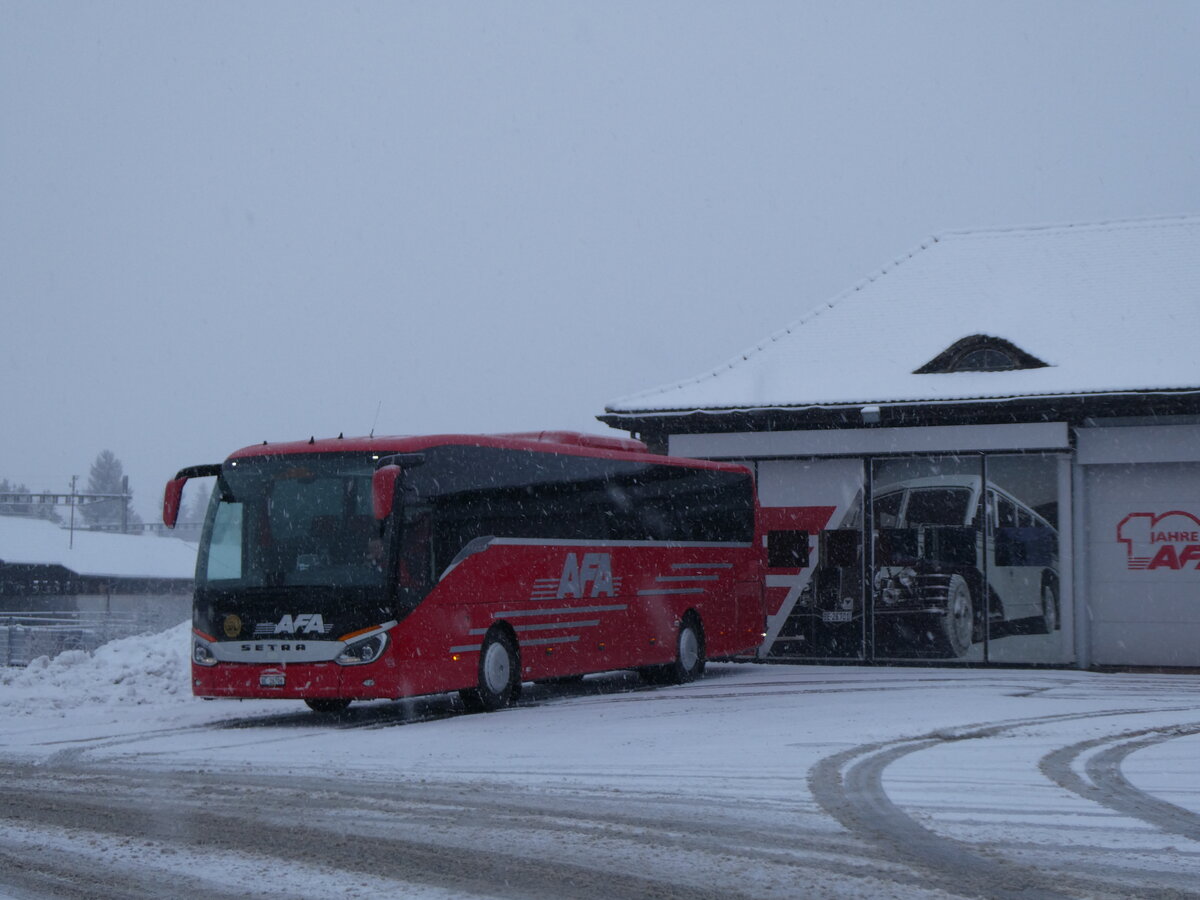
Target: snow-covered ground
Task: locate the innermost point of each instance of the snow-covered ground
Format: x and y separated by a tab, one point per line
763	781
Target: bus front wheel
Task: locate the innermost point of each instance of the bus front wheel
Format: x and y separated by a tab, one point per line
499	675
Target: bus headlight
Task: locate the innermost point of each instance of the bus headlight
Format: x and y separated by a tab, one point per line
893	587
201	654
362	651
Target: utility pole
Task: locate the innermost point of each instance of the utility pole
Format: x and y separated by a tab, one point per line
71	541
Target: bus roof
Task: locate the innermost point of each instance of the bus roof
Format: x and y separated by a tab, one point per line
571	443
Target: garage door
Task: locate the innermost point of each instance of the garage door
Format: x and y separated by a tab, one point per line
1143	561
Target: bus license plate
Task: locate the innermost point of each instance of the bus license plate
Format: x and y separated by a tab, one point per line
270	680
836	615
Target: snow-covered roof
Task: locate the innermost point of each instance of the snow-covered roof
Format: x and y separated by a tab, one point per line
1110	307
96	553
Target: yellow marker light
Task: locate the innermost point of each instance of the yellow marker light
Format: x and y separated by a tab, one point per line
354	634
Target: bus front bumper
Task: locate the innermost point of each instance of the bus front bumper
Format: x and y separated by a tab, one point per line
295	681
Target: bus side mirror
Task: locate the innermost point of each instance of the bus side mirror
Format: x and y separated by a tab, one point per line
172	500
383	490
173	495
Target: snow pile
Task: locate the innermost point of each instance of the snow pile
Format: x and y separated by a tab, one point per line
144	669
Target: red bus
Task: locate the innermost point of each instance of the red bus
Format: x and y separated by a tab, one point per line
378	568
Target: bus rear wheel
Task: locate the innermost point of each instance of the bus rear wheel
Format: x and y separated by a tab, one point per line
689	656
1047	622
499	675
327	706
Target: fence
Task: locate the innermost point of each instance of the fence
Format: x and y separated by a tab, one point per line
24	636
185	531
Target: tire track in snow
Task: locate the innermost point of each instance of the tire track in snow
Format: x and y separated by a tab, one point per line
472	839
1110	787
244	825
849	786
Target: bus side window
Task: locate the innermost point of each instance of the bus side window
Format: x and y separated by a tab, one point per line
841	547
787	550
416	551
1007	517
887	509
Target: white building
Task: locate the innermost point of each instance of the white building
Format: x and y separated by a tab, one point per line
989	451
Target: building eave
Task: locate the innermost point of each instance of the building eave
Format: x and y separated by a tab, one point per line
1071	407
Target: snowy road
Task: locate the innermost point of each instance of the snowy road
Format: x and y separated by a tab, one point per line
759	781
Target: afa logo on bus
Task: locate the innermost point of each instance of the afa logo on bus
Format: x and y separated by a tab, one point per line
1169	540
594	571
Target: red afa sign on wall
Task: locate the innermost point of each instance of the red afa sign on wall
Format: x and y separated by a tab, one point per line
1167	541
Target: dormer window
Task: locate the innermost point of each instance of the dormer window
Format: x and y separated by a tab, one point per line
989	359
980	353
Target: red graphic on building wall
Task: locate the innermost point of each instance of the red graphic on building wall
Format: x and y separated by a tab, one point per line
807	518
1167	541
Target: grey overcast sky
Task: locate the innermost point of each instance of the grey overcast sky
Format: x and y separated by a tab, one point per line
222	223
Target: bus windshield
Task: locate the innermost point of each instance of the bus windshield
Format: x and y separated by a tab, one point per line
292	520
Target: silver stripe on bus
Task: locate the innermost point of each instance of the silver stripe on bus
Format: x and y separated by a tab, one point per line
480	544
550	626
551	542
466	648
537	642
651	591
701	565
566	610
